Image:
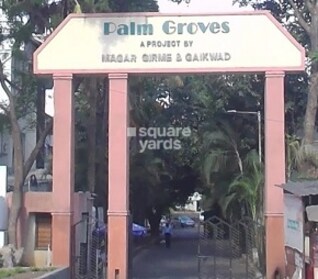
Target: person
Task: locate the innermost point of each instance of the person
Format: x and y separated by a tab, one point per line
32	182
167	233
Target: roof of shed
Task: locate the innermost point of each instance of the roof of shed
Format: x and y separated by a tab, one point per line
301	188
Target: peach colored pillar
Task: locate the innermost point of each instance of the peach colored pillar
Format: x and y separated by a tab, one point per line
118	178
63	170
274	172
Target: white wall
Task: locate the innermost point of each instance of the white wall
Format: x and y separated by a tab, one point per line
3	205
28	255
29	141
5	150
32	257
5	139
192	206
6	146
192	203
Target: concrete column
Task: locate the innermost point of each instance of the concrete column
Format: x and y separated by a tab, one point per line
118	179
274	172
63	170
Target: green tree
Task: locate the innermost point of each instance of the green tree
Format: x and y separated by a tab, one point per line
26	19
248	188
300	17
22	89
246	192
175	179
22	166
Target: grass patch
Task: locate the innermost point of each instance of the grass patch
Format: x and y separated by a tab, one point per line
8	272
42	269
5	273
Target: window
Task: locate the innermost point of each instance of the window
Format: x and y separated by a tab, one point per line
43	231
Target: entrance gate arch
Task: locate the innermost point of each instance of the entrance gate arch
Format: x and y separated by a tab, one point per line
118	45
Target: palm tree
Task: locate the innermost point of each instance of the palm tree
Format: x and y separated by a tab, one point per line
220	150
292	151
248	188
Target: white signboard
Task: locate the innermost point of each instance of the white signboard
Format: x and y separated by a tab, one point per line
3	204
155	43
312	213
294	224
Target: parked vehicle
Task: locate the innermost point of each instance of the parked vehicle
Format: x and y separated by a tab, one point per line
138	230
175	222
186	221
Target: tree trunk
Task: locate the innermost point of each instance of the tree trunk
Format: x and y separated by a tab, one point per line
15	209
154	221
91	87
101	147
21	170
311	110
237	154
17	195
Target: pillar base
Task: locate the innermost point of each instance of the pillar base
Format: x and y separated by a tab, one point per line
275	245
118	245
61	239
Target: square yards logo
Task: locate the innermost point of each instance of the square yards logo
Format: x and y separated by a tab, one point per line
156	138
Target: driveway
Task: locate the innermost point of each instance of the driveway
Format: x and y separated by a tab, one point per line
178	262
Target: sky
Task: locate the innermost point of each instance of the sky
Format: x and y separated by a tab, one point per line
198	6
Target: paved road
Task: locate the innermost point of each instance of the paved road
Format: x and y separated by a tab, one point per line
178	262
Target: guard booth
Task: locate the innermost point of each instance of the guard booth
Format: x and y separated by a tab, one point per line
301	228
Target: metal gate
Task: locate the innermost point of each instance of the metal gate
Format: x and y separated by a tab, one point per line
89	249
231	250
